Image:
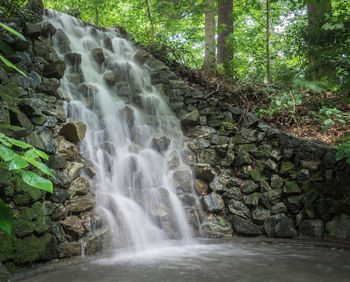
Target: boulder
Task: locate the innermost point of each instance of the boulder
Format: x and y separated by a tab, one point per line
66	149
33	30
182	179
69	249
81	203
80	186
217	227
249	186
73	169
97	54
63	41
205	172
259	215
48	86
74	131
244	227
160	143
190	119
201	187
213	202
42	139
72	59
280	226
217	185
100	239
233	193
55	70
141	56
47	29
36	6
339	227
73	226
312	227
238	208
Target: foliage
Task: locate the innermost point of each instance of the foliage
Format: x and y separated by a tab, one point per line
344	148
10	8
330	116
20	162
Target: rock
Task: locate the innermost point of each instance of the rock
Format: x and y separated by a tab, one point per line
233	193
293	204
73	226
129	115
89	169
280	226
205	172
160	143
339	227
183	179
213	202
69	249
190	119
74	131
201	132
63	41
188	157
33	30
36	6
312	228
238	208
247	136
201	187
110	78
217	185
243	159
252	200
97	54
310	165
99	240
81	203
208	156
59	195
79	187
55	70
73	169
42	139
47	29
278	208
287	167
276	182
217	226
249	186
244	227
141	56
63	95
268	199
259	215
66	149
73	59
291	188
49	86
174	160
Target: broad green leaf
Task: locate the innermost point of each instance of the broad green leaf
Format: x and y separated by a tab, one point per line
9	64
6	154
19	143
6	219
41	154
17	163
278	103
43	167
31	154
13	31
37	181
7	144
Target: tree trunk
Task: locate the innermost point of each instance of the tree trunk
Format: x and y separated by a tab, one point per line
268	57
317	37
151	21
225	29
209	65
96	12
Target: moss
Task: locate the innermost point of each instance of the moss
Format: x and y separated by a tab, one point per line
258	174
264	186
246	148
317	176
287	166
7	246
262	153
13	90
22	227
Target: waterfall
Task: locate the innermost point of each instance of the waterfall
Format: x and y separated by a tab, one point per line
133	139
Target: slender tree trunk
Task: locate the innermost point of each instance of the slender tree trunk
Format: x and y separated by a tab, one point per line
151	20
268	57
96	12
317	37
225	29
209	65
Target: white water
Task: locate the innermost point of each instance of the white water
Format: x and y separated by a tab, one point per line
133	181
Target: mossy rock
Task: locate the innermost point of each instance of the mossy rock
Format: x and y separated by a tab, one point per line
258	174
7	246
291	188
245	148
22	227
287	167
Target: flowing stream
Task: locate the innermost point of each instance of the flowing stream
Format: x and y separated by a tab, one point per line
133	139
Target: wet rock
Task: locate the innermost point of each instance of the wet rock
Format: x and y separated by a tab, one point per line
233	193
74	131
63	41
97	54
49	86
201	187
59	195
244	227
243	159
293	204
110	78
73	169
201	131
278	208
276	182
160	143
259	215
80	186
32	30
188	157
55	70
280	226
249	186
287	167
47	29
339	227
36	6
42	139
141	56
252	200
66	149
312	228
213	202
217	226
238	208
73	226
69	249
89	169
183	179
73	59
208	156
199	144
159	210
205	172
291	188
81	203
174	160
217	185
128	114
99	240
268	199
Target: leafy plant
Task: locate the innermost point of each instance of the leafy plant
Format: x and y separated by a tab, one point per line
5	61
14	161
344	148
330	116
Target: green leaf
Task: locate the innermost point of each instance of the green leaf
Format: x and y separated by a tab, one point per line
43	167
13	31
278	103
9	64
6	154
31	154
37	181
17	163
6	219
41	154
19	143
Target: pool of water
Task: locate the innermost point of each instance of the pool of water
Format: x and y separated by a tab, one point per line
212	260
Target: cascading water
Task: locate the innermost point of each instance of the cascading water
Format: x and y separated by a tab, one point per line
133	139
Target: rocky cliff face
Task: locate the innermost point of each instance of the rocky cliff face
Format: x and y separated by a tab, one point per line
252	179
